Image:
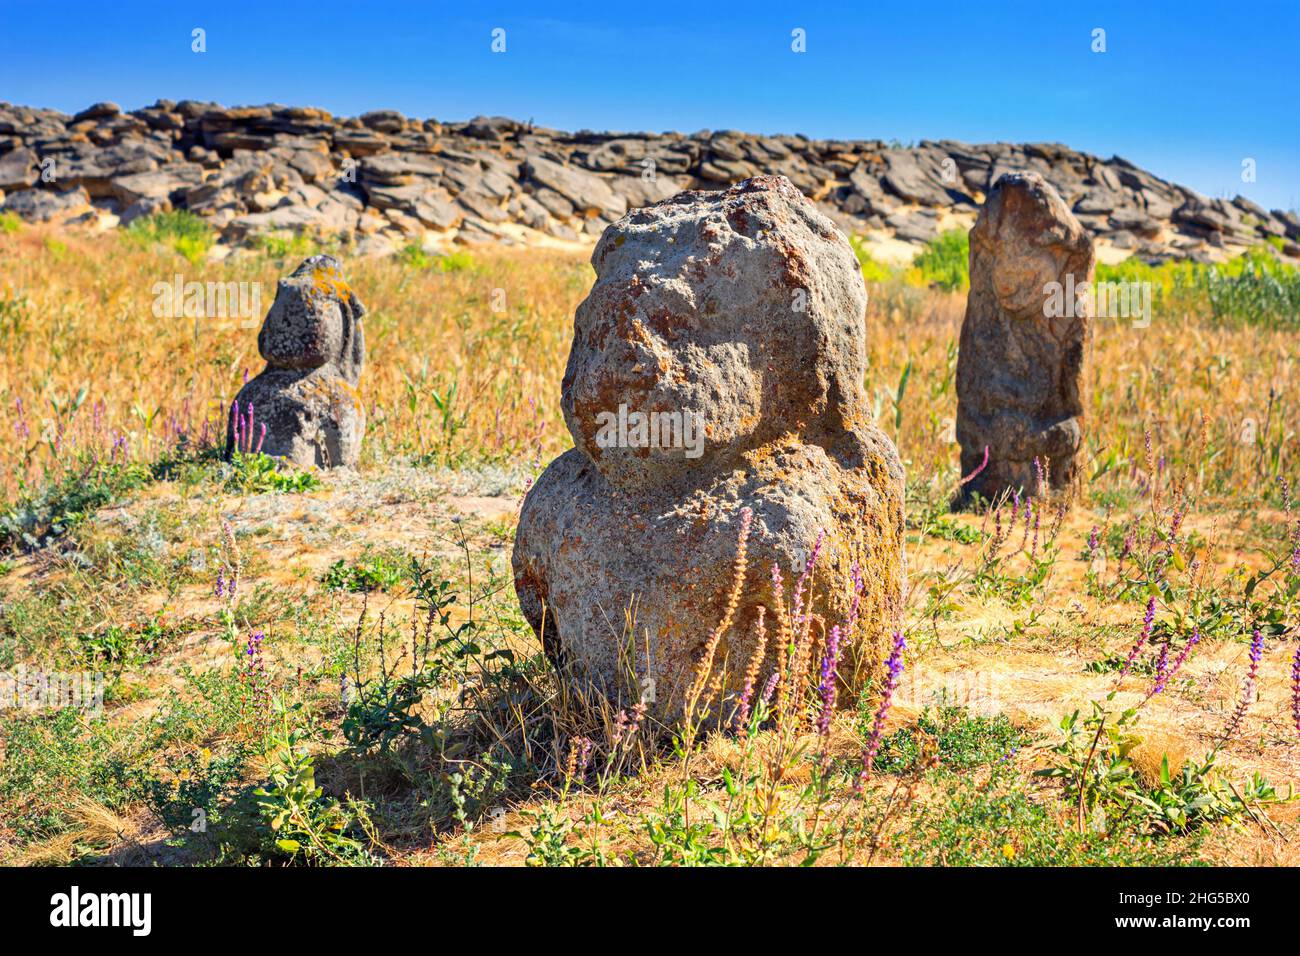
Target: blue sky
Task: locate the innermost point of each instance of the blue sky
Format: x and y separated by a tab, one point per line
1187	90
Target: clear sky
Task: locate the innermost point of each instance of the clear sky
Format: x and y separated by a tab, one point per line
1186	89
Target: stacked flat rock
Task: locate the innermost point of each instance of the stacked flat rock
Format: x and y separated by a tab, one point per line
1020	388
305	406
382	180
740	314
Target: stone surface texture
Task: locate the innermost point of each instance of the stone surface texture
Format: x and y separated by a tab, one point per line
313	341
1020	386
746	308
384	180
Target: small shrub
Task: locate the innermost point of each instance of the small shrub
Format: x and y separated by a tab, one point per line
945	261
375	573
1095	763
296	246
305	824
38	516
186	233
257	472
457	261
964	740
414	256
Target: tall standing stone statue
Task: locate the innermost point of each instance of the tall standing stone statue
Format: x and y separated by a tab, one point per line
305	406
717	364
1020	388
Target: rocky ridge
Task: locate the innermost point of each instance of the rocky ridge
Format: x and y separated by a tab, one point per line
382	180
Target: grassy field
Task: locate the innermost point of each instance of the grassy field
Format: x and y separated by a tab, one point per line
332	669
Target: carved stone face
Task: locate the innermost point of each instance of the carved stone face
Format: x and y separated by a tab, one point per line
1029	245
314	321
742	307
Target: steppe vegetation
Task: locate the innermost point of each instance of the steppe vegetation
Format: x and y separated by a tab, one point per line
332	669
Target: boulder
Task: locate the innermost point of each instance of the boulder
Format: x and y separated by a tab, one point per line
716	365
915	177
45	205
18	169
586	191
305	406
920	226
173	180
384	121
1020	365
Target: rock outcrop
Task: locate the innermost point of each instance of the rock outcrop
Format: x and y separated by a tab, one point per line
717	364
1020	365
384	180
305	406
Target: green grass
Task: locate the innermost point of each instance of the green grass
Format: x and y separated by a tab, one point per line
186	233
296	246
944	262
1003	823
415	257
1255	288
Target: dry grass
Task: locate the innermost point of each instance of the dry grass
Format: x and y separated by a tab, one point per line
76	312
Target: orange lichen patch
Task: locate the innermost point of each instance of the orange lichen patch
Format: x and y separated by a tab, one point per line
328	281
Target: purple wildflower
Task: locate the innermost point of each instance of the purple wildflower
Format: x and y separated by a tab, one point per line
796	610
769	689
894	667
255	671
830	673
984	464
1165	674
20	426
1176	522
1248	689
1147	623
234	423
1127	549
1295	690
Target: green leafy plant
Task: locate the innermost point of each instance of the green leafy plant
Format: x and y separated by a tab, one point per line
1094	761
55	508
257	472
304	824
373	573
964	740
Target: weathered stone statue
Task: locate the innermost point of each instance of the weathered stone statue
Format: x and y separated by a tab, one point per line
306	398
717	364
1020	368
